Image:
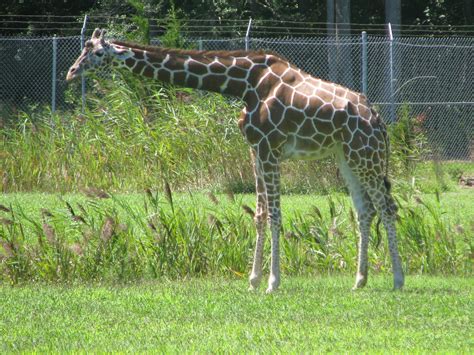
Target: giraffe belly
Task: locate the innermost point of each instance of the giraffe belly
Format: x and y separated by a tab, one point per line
307	148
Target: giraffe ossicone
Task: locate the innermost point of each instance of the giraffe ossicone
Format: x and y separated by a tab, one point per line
288	114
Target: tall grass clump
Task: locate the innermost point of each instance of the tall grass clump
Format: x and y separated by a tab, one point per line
169	235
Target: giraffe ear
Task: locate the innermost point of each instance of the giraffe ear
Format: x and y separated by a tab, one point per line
96	33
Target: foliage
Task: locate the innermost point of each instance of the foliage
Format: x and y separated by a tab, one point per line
155	235
408	143
426	12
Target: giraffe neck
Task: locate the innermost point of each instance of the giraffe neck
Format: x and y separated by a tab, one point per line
232	73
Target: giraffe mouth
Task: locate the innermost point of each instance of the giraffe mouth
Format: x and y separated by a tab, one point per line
73	73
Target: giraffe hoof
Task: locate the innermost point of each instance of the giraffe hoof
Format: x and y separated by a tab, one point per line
357	288
270	290
254	283
398	282
361	281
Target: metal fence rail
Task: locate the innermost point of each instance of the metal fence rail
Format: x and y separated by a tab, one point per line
431	77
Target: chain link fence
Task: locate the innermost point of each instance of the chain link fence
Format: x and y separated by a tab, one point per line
431	78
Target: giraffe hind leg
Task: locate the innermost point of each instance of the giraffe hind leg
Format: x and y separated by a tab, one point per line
365	215
378	189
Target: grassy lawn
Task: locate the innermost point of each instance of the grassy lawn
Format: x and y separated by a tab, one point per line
306	315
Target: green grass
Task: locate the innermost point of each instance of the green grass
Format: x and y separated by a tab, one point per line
146	236
318	314
135	134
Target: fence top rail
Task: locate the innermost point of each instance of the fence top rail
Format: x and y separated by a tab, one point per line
404	40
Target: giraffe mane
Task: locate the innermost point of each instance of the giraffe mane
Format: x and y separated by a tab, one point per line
197	53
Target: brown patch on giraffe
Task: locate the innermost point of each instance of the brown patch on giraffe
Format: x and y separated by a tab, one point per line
243	63
307	129
328	141
262	121
373	142
256	72
324	127
238	73
366	127
197	68
339	119
287	126
179	77
267	85
319	138
328	87
352	109
130	62
139	55
293	115
276	110
263	150
283	93
170	65
351	96
354	157
346	134
340	91
352	123
217	68
236	87
364	111
292	78
192	80
251	99
139	67
259	58
149	71
314	104
325	112
358	140
299	101
164	75
252	135
276	139
305	88
279	68
212	81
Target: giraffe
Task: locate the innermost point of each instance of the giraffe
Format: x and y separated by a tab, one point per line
288	114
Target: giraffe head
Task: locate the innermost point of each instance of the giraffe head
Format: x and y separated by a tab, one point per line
96	53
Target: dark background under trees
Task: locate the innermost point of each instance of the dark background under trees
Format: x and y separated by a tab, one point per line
64	17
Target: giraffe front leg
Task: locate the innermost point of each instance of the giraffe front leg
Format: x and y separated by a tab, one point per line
272	183
260	223
275	225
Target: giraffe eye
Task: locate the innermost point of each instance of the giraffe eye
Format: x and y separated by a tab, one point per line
99	54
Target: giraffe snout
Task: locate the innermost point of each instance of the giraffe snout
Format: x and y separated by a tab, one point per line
72	73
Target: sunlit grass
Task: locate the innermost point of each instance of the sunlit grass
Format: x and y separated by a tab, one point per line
155	235
311	314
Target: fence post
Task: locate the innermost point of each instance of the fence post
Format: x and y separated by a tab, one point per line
392	91
364	62
247	35
200	44
83	79
53	76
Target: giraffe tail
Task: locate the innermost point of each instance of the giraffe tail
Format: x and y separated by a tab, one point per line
388	185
